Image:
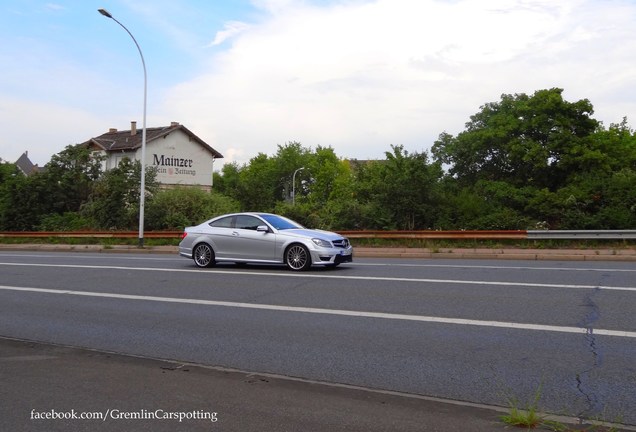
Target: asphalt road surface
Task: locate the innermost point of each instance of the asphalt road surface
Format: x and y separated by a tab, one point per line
480	331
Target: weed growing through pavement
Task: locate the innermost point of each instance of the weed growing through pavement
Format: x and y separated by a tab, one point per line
527	417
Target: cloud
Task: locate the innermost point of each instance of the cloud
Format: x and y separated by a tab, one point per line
230	29
54	7
360	76
43	129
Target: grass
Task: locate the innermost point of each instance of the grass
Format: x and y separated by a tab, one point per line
529	417
522	418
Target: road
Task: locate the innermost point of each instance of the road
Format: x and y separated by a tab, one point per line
480	331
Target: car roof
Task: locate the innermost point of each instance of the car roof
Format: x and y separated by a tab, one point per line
245	214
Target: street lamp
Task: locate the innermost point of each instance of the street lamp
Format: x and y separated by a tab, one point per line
294	185
142	188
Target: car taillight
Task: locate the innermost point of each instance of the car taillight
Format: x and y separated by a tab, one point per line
184	235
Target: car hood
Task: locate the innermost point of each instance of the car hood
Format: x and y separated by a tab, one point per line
310	233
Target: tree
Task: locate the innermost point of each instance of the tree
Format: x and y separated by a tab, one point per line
537	140
401	192
61	188
326	171
267	180
542	159
228	182
177	208
258	184
71	174
114	201
12	185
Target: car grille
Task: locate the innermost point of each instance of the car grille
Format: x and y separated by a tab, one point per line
344	243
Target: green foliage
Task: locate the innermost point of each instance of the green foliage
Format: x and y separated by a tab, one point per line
63	186
528	416
303	213
177	208
537	140
114	201
68	221
542	160
70	175
522	418
13	187
401	192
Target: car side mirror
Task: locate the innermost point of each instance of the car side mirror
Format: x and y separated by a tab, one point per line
262	228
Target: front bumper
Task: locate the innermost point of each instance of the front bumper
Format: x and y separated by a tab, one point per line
332	256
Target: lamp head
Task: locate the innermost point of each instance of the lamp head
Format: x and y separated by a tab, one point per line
105	13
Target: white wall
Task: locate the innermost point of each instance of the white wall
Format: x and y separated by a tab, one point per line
179	161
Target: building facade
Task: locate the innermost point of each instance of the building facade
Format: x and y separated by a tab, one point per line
179	156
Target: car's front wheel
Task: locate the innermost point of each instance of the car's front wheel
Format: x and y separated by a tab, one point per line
297	257
203	255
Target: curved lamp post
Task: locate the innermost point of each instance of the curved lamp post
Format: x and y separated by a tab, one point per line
294	185
142	188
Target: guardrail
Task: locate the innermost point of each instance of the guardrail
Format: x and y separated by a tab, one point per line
582	235
459	235
90	234
448	235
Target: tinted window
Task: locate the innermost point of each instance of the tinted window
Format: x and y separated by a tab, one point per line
247	222
225	222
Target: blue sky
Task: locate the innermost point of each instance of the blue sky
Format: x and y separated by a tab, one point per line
246	76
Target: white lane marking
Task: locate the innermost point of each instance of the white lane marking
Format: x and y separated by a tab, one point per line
130	257
327	276
338	312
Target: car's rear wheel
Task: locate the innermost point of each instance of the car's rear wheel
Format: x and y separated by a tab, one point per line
203	255
297	257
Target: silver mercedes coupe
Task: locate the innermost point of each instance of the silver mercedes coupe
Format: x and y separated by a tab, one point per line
263	238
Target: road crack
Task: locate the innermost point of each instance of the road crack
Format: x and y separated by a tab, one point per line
583	378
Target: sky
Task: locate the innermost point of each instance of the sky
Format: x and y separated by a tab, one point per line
249	75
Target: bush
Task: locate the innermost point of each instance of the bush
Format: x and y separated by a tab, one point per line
177	208
68	221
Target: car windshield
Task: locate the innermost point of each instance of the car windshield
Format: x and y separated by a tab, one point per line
280	223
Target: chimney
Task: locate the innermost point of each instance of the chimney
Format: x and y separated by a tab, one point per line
133	128
112	130
173	124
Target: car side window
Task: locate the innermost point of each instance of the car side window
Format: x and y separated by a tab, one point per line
225	222
247	222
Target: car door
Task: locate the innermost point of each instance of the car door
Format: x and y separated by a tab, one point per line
251	244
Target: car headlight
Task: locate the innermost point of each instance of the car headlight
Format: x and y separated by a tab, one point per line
321	242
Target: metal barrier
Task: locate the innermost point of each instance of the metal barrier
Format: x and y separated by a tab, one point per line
90	234
457	235
582	235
